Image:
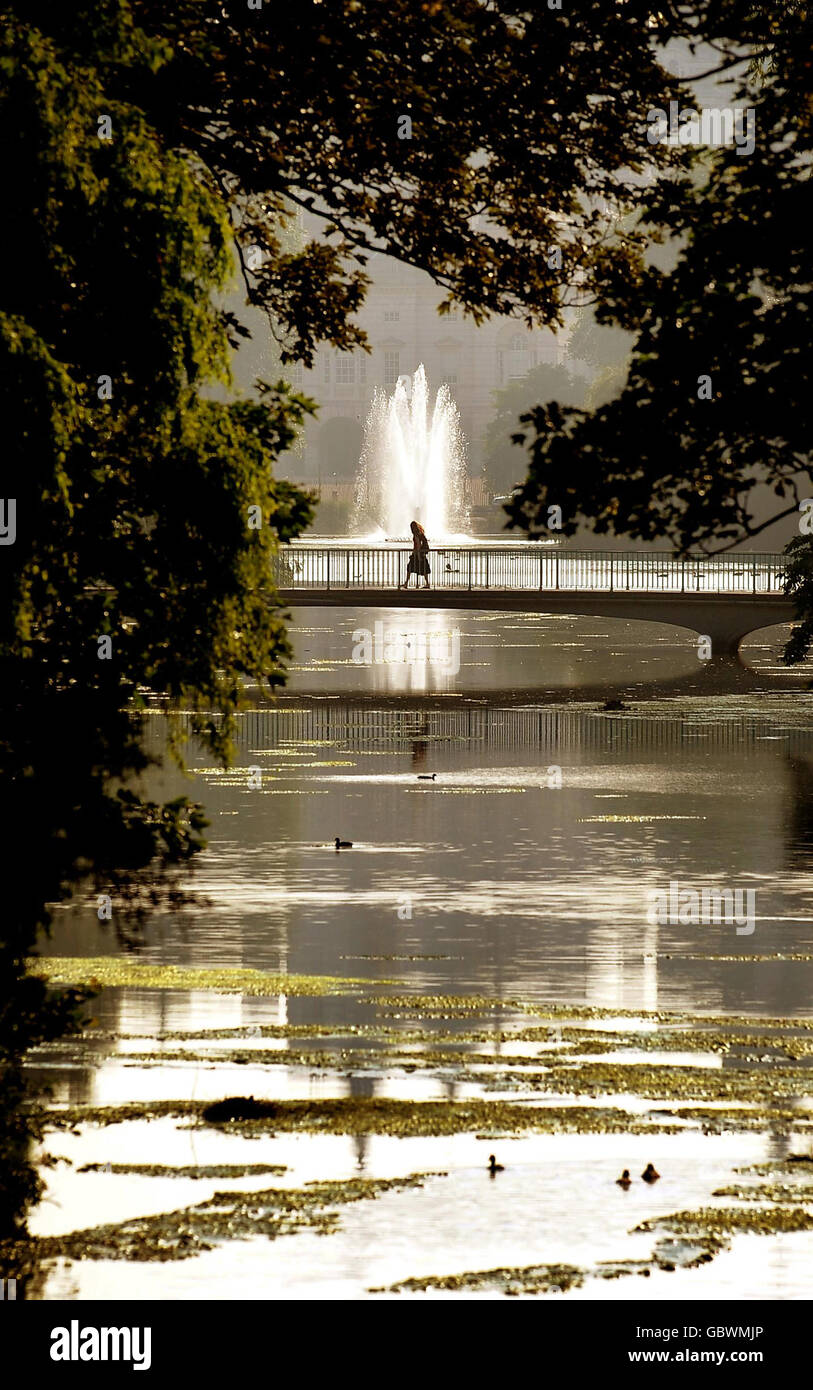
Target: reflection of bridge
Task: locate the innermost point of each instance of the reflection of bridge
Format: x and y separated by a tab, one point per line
356	725
721	596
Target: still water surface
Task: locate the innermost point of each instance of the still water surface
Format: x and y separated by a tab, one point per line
521	873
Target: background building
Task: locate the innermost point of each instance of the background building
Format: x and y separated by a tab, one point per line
401	320
404	329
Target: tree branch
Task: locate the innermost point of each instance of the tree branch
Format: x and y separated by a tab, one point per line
755	530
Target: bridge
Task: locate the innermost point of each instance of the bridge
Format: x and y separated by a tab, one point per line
723	597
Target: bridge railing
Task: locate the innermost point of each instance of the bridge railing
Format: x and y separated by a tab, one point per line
502	567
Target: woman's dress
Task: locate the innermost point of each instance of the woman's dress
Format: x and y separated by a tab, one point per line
419	560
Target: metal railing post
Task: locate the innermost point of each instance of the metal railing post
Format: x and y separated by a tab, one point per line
327	582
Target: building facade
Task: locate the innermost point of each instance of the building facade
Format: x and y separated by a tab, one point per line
401	320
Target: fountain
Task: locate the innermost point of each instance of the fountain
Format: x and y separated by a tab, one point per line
412	466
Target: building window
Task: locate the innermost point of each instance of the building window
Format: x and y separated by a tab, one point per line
327	368
519	358
362	368
450	362
294	373
392	367
392	316
345	369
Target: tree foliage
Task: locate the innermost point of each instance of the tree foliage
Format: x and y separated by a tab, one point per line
504	462
716	404
516	143
132	486
131	568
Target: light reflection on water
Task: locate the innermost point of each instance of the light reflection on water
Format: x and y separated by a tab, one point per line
553	1204
418	651
539	894
415	651
521	891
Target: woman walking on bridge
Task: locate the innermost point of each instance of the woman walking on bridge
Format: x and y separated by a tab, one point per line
419	559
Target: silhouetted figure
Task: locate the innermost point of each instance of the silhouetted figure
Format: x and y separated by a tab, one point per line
419	559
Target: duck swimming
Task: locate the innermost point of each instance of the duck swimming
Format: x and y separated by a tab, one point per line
343	844
494	1166
625	1179
650	1173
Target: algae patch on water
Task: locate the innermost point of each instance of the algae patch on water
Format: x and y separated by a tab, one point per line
686	1252
740	1084
527	1279
797	1164
124	972
722	1221
761	1118
370	1115
404	1118
180	1235
670	1253
767	1192
189	1170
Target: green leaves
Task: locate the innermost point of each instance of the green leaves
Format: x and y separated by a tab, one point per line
667	460
132	502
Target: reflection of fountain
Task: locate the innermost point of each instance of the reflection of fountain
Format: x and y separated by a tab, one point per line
412	464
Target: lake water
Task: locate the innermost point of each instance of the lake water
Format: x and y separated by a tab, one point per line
521	878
